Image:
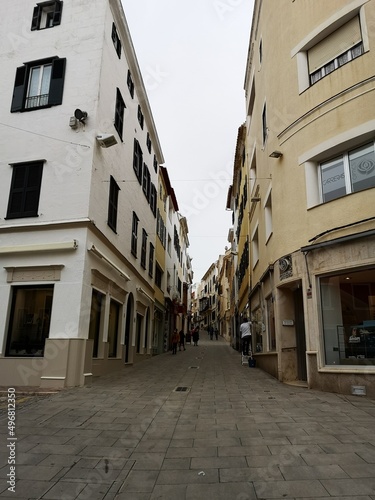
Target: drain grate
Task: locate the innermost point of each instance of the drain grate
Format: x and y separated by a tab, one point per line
181	389
193	367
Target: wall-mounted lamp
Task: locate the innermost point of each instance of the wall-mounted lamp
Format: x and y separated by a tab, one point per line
276	154
255	199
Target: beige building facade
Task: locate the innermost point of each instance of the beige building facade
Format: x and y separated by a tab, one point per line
310	163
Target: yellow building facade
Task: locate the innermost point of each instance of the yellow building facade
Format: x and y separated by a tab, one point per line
310	160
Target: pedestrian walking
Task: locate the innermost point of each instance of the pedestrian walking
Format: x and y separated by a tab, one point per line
211	331
245	331
182	341
216	333
175	341
196	336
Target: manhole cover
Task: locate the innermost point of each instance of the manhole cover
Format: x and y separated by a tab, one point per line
193	367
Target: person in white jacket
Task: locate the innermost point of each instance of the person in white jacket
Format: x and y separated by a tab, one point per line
245	331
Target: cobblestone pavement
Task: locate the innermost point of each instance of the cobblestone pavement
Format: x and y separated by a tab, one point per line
196	425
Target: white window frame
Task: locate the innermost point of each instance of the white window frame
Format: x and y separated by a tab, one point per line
39	99
300	51
346	170
333	147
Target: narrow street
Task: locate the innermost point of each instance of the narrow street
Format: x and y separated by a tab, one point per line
196	425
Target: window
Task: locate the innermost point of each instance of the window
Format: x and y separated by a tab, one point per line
25	190
260	52
116	40
348	173
337	49
130	83
146	181
151	260
264	124
119	113
134	235
255	247
161	229
140	117
144	249
38	84
158	276
46	15
96	319
348	305
153	196
113	327
138	161
148	143
155	164
112	204
169	245
268	216
29	323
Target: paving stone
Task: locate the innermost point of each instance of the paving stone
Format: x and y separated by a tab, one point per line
289	489
236	435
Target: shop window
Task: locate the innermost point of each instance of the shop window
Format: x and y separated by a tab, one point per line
348	314
257	330
271	324
46	15
113	327
96	319
38	84
29	323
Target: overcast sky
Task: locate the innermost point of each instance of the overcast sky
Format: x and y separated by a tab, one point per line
192	56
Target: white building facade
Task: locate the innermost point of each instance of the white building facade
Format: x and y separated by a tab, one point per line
78	181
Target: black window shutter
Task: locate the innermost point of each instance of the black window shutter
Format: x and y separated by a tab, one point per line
114	33
57	82
25	190
57	13
112	205
36	18
19	89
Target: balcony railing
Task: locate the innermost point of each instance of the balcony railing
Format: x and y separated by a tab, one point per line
36	101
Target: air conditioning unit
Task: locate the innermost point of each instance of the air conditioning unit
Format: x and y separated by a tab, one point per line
106	140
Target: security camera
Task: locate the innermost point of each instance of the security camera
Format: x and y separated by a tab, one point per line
106	140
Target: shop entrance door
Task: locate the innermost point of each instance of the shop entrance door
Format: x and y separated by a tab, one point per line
300	334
